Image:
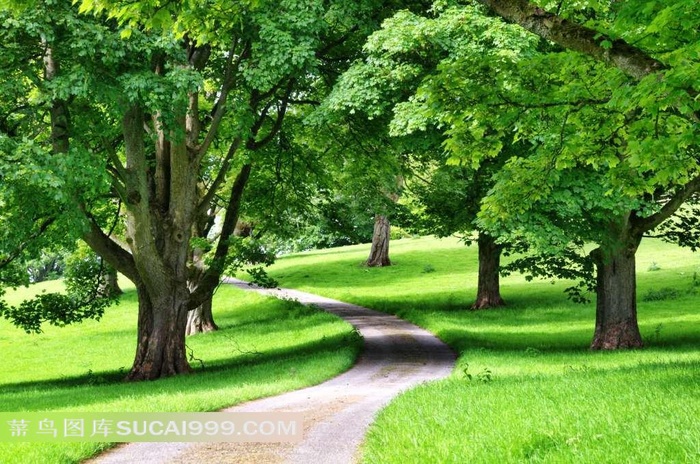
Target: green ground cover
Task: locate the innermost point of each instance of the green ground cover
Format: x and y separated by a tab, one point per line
265	347
526	387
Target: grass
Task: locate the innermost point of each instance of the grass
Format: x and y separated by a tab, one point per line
265	347
526	388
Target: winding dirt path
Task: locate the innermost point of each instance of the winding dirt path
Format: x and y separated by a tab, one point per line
397	355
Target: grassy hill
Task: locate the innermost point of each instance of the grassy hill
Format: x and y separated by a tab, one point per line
527	389
265	347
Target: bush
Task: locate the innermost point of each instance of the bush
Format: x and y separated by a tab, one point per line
662	294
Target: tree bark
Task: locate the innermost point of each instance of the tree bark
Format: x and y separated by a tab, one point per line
629	59
110	282
160	350
616	297
201	319
488	294
159	241
379	254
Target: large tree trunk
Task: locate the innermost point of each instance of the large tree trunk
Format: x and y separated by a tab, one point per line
160	350
488	294
379	254
160	215
616	298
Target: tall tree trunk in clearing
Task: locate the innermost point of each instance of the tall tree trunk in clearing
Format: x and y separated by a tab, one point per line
488	294
616	297
379	254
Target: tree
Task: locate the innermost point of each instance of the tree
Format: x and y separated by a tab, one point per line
359	192
654	150
159	184
379	252
381	235
446	199
370	173
404	61
165	107
49	266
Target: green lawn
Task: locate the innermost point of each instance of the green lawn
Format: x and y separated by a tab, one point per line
527	389
266	346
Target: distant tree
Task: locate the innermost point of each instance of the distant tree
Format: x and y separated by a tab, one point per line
449	198
49	266
402	59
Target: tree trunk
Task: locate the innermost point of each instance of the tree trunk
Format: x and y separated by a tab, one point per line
201	320
488	294
379	254
110	282
159	224
616	299
160	350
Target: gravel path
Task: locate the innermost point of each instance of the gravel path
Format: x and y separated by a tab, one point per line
397	355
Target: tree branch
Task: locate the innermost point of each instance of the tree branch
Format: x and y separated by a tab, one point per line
220	177
281	111
642	225
111	251
45	224
220	106
212	275
629	59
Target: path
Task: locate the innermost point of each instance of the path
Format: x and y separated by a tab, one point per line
397	355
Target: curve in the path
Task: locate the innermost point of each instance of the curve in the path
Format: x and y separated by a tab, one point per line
396	356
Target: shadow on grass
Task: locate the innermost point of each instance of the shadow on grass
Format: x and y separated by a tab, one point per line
109	385
563	342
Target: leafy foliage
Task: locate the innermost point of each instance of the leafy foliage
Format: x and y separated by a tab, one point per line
571	263
83	300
